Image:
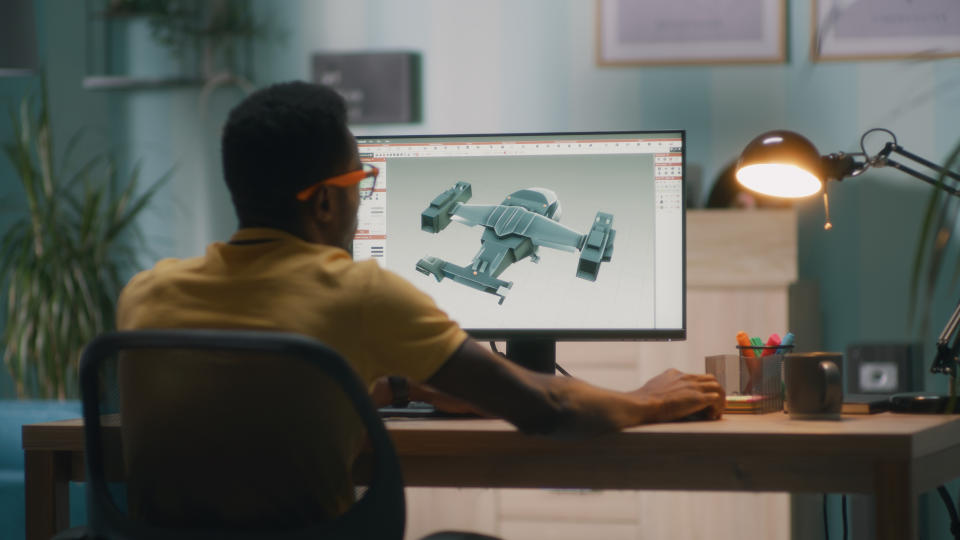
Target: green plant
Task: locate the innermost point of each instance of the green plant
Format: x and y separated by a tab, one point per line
62	262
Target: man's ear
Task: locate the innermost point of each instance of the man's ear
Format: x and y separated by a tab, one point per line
325	204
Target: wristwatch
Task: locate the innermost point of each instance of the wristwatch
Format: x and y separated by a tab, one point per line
400	390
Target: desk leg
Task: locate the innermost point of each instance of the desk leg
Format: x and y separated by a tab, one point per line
47	494
896	502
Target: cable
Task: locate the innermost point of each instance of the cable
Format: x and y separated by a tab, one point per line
561	370
826	523
843	505
952	510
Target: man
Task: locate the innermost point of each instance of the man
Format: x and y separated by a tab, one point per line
293	171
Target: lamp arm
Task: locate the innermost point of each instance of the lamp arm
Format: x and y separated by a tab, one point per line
883	159
947	353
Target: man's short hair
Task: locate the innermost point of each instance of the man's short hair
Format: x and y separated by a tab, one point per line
278	141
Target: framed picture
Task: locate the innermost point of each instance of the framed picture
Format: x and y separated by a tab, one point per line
660	32
885	29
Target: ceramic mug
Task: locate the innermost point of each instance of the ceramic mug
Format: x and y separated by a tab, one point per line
814	389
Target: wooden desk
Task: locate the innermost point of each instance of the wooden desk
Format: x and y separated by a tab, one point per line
895	457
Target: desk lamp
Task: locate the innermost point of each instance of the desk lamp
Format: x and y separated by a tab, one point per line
785	164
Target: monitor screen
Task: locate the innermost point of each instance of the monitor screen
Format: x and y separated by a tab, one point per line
562	236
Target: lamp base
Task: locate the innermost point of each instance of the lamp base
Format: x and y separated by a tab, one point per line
921	403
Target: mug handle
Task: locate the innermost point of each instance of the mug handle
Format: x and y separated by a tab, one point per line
832	386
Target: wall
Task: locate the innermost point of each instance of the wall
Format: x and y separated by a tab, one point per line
529	66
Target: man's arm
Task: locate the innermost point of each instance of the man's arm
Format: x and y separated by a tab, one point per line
540	403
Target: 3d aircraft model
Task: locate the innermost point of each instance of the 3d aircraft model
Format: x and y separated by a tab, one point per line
513	230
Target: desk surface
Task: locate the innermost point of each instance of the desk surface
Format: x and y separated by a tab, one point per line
895	457
739	452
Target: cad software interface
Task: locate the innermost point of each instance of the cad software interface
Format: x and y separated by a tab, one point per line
533	232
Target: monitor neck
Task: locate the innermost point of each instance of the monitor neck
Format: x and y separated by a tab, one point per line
537	354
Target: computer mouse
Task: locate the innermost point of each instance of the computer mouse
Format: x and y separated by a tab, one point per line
702	414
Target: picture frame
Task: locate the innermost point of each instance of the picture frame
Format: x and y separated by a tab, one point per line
884	29
667	32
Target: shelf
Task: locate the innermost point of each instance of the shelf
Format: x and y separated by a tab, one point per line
123	82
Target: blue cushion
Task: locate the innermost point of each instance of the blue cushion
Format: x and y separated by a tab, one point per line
13	414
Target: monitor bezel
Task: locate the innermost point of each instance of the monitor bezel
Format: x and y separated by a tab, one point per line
566	334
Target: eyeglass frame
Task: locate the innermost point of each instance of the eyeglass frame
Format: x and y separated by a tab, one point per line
345	180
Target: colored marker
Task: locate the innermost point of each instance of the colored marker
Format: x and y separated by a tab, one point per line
772	341
785	343
743	340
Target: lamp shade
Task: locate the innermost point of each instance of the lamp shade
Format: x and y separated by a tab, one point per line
781	164
18	47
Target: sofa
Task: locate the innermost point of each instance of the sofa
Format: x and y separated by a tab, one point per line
13	414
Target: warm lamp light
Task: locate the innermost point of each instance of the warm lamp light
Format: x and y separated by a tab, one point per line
779	180
781	164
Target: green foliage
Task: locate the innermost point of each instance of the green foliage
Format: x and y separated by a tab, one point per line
935	250
182	24
61	263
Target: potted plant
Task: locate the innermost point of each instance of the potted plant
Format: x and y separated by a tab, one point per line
63	262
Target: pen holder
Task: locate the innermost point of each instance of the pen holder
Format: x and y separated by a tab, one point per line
752	384
761	374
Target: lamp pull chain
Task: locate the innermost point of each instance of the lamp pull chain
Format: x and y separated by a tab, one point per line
826	209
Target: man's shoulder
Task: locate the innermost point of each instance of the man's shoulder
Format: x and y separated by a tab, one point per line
164	268
380	278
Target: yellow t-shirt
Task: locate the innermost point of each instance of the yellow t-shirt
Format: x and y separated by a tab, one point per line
377	320
267	279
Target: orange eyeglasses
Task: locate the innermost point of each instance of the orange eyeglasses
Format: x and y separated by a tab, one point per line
345	180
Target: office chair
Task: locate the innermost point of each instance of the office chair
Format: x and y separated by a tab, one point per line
379	513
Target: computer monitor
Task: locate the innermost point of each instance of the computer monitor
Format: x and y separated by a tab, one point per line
535	238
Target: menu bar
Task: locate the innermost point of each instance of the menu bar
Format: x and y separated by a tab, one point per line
381	150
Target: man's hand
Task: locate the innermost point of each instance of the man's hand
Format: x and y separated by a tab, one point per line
678	395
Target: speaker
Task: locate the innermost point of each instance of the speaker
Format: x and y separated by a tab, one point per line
884	368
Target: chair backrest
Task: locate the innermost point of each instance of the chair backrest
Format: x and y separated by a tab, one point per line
214	412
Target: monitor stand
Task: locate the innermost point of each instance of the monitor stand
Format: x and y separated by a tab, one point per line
534	354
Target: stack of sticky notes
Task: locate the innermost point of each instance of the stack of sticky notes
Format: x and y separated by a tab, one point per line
739	404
